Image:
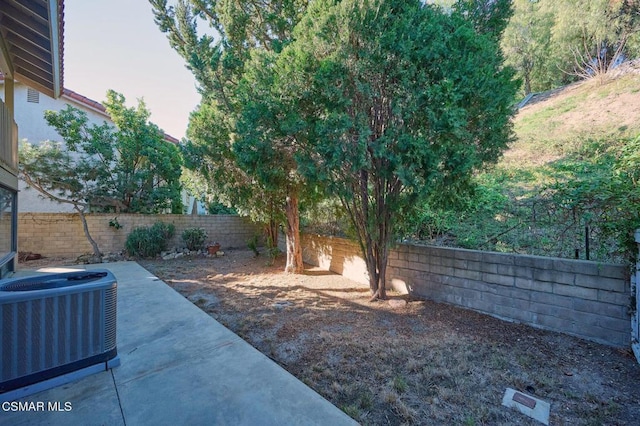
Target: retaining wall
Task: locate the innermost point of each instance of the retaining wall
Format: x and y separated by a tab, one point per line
585	299
61	234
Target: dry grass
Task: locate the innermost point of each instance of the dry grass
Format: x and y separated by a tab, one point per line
425	363
578	111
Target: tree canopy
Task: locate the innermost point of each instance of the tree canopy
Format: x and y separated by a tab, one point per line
384	104
128	167
395	103
552	43
224	161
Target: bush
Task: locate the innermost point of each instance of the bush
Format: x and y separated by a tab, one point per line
252	243
194	238
149	241
219	208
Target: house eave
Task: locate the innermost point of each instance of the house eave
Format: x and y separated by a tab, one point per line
55	28
31	43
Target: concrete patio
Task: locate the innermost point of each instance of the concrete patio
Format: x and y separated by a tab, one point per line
178	367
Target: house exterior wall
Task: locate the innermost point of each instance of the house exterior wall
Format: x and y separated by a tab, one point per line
33	128
585	299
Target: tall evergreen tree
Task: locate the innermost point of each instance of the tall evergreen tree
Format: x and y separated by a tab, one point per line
395	102
526	43
243	30
552	43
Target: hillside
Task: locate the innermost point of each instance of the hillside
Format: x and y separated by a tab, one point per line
565	187
553	123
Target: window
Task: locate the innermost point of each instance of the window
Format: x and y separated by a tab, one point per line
33	96
7	230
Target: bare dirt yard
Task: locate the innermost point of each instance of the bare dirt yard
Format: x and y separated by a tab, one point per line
420	363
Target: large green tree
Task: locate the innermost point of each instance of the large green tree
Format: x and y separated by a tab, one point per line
128	167
555	42
526	43
396	102
213	174
589	37
230	171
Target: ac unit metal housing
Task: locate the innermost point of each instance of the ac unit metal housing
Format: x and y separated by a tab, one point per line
54	325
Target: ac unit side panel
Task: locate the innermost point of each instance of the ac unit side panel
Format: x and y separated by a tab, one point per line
55	333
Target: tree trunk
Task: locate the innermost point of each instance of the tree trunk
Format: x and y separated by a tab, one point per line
373	241
374	282
382	271
382	278
376	260
527	84
294	246
271	232
85	227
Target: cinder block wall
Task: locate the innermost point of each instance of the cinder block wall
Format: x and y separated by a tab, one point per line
335	254
585	299
61	234
5	233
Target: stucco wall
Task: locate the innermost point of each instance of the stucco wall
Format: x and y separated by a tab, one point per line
585	299
61	234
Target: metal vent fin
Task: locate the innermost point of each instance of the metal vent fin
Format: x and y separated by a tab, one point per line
33	96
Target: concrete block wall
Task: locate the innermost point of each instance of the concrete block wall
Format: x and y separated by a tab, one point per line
585	299
61	234
5	233
335	254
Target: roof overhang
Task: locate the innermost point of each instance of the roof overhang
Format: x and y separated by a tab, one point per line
31	43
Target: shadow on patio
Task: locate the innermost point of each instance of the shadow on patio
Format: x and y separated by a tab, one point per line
178	366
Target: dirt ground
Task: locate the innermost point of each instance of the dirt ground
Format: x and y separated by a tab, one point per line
420	363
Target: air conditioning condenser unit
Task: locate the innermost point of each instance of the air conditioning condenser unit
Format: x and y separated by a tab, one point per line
55	328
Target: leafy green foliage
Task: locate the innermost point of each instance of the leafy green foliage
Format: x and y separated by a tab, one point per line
194	238
591	35
526	43
219	208
557	179
212	173
149	241
129	168
250	167
113	223
252	243
52	167
591	191
396	103
326	218
554	43
489	17
600	187
478	215
272	250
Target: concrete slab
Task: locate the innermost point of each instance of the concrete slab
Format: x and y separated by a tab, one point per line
528	405
91	401
179	366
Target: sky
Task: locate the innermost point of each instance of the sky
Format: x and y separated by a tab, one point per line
115	44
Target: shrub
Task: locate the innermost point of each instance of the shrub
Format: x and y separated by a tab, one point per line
272	250
149	241
194	238
218	208
252	243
